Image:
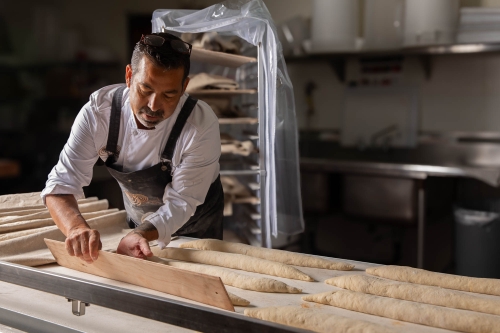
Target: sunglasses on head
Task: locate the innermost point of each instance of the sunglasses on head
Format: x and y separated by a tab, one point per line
177	45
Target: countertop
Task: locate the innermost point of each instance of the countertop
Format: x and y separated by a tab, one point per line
56	308
488	175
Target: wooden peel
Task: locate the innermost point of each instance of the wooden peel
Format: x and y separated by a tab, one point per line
198	287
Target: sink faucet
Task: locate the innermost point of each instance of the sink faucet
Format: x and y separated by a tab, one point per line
387	133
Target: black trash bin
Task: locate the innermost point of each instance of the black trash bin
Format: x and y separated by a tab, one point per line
477	238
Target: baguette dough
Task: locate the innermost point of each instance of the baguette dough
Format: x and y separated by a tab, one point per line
230	260
449	281
415	293
286	257
237	300
234	279
315	321
424	314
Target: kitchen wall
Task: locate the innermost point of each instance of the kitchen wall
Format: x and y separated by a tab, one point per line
462	93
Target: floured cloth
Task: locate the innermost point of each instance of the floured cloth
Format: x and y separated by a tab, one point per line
30	249
16	234
210	81
26	201
44	222
31	200
33	214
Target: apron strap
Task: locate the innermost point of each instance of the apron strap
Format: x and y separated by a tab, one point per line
114	122
184	114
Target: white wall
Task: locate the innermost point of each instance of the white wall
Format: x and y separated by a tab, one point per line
463	93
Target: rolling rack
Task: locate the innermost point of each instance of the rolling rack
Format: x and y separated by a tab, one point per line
267	117
246	217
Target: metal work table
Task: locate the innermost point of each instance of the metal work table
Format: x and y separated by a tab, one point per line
419	172
141	309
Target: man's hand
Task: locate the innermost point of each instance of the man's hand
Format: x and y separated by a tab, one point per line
81	240
134	245
84	243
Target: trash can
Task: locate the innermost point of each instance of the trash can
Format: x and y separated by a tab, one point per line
477	238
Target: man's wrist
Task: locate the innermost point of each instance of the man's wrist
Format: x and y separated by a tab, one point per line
79	224
146	230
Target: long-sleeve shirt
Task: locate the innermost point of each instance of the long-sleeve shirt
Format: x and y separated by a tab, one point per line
195	162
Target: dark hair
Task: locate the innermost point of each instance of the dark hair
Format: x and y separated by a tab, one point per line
163	56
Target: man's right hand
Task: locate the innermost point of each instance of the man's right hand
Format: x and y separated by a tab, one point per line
81	240
84	243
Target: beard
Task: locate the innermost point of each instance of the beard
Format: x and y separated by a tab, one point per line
148	122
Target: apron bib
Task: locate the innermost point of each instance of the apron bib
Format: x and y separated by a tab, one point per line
143	189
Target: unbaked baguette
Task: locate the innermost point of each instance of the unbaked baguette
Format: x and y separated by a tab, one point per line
230	260
418	313
449	281
315	321
233	279
416	293
286	257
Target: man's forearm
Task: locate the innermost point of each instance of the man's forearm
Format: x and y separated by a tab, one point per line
65	213
147	230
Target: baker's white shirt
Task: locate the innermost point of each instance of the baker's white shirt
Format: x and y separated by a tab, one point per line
195	162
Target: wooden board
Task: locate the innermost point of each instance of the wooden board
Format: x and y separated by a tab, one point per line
198	287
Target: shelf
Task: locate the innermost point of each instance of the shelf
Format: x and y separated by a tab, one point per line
254	186
338	59
239	172
220	58
238	121
246	200
220	92
474	48
252	238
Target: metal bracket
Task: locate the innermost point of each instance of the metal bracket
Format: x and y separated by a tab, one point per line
78	307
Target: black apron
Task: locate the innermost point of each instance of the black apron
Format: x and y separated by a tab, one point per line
143	190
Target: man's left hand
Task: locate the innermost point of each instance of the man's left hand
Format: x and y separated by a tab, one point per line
134	245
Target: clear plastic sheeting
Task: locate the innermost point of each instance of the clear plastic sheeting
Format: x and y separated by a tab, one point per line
251	21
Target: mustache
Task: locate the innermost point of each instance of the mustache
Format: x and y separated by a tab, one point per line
150	112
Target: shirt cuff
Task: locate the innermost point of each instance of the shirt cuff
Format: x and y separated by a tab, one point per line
59	189
164	231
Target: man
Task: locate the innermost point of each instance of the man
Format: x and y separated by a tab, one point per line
160	144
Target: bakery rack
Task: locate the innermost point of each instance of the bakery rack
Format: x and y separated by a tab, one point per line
246	219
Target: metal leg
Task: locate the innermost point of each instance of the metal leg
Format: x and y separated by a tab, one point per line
421	225
78	307
28	323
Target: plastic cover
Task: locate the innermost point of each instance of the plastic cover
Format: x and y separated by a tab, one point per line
251	21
